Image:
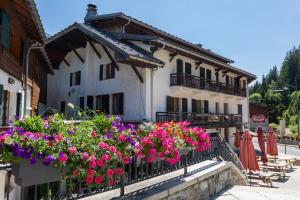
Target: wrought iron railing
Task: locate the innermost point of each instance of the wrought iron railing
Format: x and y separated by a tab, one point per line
137	170
187	80
201	119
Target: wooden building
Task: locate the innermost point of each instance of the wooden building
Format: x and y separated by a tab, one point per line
20	26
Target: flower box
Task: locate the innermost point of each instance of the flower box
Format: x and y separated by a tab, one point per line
27	174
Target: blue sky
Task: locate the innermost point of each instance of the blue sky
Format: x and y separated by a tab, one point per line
256	34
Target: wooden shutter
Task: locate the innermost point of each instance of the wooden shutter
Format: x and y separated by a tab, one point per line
188	68
184	103
78	78
225	108
113	70
169	104
227	80
194	105
71	79
206	107
90	102
208	74
19	103
62	107
217	108
179	66
121	103
81	103
105	101
101	73
202	72
6	99
240	109
5	30
1	103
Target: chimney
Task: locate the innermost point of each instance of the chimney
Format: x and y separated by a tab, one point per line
91	12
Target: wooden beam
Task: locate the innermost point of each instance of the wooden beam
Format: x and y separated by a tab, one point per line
137	73
172	56
198	63
94	48
110	57
79	56
66	62
224	73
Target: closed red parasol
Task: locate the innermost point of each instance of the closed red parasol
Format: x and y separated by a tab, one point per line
247	153
271	143
237	139
261	143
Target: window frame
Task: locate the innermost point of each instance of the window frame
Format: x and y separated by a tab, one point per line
116	99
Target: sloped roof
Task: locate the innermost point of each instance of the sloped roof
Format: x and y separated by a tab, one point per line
109	40
159	31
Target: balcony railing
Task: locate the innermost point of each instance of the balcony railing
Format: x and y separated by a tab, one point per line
187	80
205	120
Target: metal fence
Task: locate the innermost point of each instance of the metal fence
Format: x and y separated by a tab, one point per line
137	170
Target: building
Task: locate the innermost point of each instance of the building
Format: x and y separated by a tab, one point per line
114	63
20	26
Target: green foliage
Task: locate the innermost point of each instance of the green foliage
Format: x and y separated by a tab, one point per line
255	98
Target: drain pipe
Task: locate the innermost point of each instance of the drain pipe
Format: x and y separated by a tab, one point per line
124	26
34	46
152	75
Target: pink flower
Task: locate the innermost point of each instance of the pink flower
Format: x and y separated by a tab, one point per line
112	149
126	160
94	134
122	138
59	137
110	172
92	158
119	171
105	157
119	154
72	150
99	179
62	158
152	152
160	154
85	156
92	164
102	145
100	163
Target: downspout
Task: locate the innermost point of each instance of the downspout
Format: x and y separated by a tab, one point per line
34	46
124	26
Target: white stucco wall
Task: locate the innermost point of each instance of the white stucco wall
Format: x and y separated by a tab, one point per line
13	89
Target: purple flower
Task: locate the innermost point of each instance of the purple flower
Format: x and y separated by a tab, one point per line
48	160
33	160
109	135
70	132
46	126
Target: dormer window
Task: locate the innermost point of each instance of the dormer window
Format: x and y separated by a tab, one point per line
106	72
75	78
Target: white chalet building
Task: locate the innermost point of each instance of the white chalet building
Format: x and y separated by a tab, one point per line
117	64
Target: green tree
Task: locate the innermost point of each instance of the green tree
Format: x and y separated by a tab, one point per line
255	98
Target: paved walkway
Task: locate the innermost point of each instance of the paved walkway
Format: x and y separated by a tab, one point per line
288	188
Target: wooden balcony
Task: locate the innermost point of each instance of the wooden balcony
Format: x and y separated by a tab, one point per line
187	80
203	120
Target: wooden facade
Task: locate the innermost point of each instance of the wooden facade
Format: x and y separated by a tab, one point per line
22	26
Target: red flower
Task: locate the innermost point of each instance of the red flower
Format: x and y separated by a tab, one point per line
89	179
112	149
102	145
90	172
99	179
72	150
122	138
75	172
110	172
100	163
111	182
119	154
85	156
126	160
59	137
119	171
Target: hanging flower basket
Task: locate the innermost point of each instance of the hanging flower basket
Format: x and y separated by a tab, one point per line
27	174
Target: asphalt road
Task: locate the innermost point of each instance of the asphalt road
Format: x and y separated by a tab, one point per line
290	150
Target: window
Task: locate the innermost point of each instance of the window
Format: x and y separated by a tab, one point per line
244	84
179	66
197	106
172	104
19	103
81	103
90	102
118	103
102	103
4	29
184	105
188	68
240	109
108	70
62	107
75	78
227	80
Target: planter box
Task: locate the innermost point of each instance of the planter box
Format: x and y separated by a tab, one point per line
27	174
